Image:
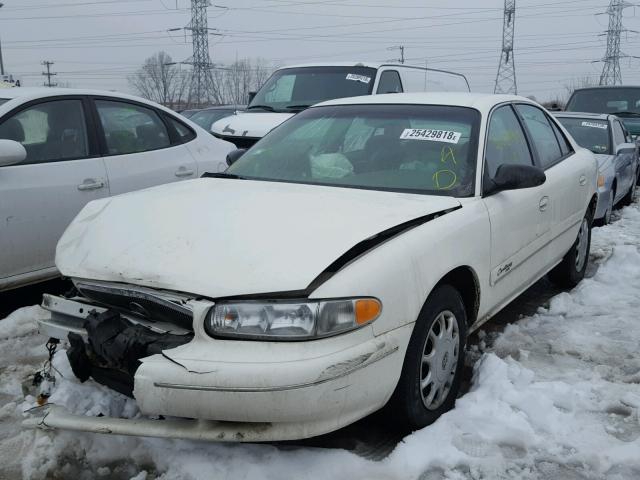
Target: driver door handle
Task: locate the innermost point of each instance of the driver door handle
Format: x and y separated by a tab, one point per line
544	203
90	184
184	172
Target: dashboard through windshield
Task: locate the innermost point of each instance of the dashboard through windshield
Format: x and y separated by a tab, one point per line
409	148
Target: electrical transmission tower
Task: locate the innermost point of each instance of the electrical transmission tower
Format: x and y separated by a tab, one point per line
49	73
202	85
506	78
611	70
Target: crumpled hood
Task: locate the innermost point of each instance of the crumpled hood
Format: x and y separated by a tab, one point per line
252	124
224	237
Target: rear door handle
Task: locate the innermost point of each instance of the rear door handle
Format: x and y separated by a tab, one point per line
583	180
544	203
90	184
184	172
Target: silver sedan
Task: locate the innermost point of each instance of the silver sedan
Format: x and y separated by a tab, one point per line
606	136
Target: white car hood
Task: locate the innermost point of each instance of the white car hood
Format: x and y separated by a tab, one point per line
223	237
252	124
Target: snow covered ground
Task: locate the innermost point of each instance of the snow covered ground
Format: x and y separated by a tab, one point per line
554	396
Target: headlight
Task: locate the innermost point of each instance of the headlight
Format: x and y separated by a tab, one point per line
290	320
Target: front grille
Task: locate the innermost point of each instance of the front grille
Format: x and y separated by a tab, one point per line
144	303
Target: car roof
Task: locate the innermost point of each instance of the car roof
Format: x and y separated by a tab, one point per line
595	116
347	64
605	87
480	101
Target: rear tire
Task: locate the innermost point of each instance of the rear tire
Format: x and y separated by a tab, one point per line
570	271
628	198
431	373
606	219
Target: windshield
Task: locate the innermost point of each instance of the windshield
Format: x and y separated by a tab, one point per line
206	118
294	89
409	148
605	100
589	133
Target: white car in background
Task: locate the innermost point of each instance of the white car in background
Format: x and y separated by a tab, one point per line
353	249
292	89
62	148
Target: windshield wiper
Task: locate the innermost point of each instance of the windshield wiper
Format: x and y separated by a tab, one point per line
297	107
222	175
263	107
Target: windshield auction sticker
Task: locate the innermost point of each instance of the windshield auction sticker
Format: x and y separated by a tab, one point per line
446	136
358	78
595	125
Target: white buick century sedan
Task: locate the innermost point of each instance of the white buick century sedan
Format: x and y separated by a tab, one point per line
335	268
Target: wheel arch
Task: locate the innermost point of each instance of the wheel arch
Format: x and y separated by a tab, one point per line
593	203
465	280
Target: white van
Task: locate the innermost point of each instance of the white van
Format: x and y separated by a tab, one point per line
292	89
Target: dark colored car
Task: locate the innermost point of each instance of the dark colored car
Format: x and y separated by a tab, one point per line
622	101
208	116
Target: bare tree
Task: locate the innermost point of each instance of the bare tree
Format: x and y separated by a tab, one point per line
161	81
581	82
236	81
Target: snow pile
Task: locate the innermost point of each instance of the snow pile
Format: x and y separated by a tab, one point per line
556	396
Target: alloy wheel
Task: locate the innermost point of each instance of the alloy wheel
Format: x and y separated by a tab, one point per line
439	360
583	245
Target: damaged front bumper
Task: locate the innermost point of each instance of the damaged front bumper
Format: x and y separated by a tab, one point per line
242	390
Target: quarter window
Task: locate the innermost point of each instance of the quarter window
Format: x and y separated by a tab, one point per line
129	128
185	134
389	82
50	132
542	134
506	143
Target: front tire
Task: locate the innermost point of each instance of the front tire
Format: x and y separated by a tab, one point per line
432	368
571	270
628	198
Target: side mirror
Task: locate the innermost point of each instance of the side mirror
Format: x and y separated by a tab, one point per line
234	155
11	152
516	177
252	95
626	148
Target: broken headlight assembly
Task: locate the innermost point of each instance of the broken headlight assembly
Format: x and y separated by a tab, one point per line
290	320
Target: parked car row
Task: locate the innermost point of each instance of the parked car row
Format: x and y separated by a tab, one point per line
336	268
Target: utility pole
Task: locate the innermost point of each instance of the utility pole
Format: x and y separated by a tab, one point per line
1	60
611	70
47	64
506	77
401	48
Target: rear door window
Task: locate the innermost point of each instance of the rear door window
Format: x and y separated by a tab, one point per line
130	128
542	134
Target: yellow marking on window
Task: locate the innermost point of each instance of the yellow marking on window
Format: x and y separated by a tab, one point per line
446	154
436	179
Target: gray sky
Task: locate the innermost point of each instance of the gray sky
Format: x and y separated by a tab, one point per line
97	43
